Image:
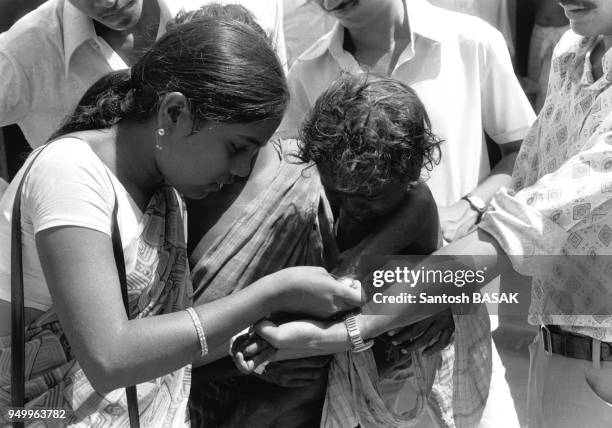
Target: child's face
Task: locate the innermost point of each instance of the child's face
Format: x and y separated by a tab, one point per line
363	206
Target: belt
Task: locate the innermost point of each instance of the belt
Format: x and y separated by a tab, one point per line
558	341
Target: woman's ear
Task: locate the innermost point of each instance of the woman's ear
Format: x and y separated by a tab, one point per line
174	113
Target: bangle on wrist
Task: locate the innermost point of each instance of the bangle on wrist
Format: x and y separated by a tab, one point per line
199	330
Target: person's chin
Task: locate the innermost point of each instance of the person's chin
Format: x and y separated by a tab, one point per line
196	194
583	28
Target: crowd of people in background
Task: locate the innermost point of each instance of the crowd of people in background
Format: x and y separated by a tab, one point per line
206	178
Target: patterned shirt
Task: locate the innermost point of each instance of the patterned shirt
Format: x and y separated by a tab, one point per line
556	225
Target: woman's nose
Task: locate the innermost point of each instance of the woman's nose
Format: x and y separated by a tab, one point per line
242	165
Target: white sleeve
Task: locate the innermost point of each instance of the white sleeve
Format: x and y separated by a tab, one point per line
278	38
15	93
299	105
507	114
68	186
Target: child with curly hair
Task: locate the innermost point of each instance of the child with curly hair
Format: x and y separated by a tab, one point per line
370	139
371	142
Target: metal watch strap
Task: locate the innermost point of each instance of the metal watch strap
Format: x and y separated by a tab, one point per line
479	210
357	342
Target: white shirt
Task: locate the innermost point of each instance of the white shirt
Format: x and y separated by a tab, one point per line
460	68
304	23
495	12
67	186
51	56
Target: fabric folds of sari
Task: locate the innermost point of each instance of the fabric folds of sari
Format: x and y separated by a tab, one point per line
354	397
287	224
461	372
158	284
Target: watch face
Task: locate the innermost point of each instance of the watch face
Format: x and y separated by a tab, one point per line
476	202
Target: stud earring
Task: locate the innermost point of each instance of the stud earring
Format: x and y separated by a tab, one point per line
161	132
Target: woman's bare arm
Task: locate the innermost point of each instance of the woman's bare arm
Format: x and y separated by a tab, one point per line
80	271
114	352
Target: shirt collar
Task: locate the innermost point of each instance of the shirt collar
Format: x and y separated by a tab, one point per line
421	19
580	67
78	28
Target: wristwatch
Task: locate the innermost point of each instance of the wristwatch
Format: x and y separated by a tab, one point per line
357	343
476	204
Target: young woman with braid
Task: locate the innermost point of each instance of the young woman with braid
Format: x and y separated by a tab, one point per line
187	118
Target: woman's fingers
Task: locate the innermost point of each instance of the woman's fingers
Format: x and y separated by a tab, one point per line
351	294
262	358
254	347
248	365
269	332
242	364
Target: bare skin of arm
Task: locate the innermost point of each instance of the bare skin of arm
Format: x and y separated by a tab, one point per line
412	229
114	351
459	219
306	337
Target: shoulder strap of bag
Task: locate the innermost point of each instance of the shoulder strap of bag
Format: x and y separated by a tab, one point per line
18	306
17	303
130	391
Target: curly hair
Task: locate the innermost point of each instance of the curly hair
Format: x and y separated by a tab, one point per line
367	131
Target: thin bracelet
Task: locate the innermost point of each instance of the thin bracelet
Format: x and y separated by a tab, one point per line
199	329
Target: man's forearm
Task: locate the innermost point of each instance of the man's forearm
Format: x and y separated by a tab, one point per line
501	176
476	251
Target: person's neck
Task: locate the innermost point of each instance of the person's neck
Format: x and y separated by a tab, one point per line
597	56
131	42
135	164
383	31
607	42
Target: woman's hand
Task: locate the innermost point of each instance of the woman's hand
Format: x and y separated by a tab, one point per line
251	354
293	340
314	292
303	338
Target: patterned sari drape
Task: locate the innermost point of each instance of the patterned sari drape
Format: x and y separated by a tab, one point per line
158	284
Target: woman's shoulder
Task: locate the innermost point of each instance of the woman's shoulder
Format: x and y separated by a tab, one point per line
66	174
65	155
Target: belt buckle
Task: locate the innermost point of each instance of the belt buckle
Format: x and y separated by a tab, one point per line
547	338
